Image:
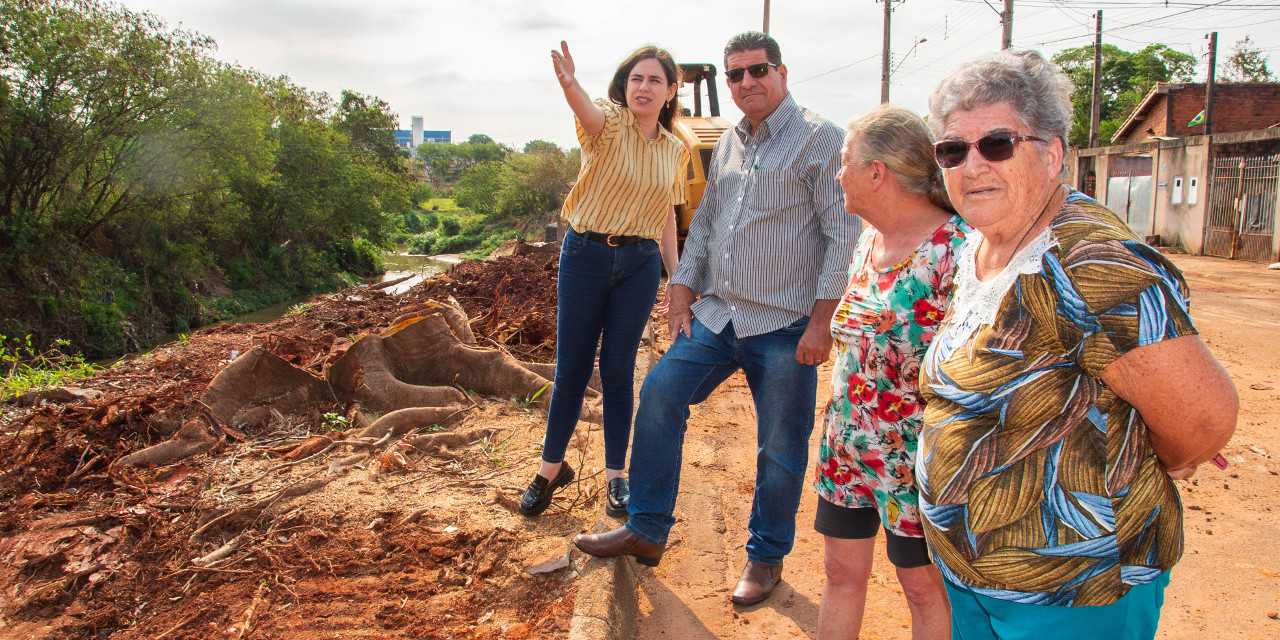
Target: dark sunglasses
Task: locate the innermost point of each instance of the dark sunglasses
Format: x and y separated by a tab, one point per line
757	70
994	147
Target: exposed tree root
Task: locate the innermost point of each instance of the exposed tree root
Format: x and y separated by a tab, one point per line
195	437
398	423
438	444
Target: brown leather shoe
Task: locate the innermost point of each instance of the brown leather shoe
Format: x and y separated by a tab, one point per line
757	583
620	542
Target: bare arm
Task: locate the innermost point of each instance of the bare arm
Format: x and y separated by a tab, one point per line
1184	395
815	344
670	256
591	117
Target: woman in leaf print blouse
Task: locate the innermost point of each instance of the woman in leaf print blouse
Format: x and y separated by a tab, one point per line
1067	389
899	281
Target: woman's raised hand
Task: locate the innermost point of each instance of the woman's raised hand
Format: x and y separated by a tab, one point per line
589	115
563	63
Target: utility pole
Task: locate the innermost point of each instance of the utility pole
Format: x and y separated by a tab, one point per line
884	55
1096	116
1208	87
1006	19
766	17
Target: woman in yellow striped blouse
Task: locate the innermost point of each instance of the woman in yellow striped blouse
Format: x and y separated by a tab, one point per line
621	215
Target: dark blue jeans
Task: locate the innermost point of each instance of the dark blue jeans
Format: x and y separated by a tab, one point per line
605	295
784	392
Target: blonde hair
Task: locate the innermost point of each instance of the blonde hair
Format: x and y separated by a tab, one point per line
901	140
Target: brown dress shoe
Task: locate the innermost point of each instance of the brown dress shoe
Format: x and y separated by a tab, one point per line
620	542
757	583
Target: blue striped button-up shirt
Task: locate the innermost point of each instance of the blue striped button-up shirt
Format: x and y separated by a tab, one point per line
771	234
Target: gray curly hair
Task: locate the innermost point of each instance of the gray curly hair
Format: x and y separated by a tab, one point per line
1037	90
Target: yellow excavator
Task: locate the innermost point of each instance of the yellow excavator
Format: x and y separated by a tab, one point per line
699	134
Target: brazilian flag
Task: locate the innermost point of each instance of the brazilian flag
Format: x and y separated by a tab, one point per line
1199	119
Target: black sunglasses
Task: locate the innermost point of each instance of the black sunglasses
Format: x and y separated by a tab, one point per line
994	147
758	70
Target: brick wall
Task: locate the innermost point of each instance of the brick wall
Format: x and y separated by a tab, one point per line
1154	120
1236	107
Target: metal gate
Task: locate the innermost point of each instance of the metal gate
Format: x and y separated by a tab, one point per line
1129	191
1242	207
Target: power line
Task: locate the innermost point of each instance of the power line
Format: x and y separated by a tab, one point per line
851	64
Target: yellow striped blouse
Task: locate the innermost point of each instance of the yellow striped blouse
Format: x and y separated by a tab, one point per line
627	182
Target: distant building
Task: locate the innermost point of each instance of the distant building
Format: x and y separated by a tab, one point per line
416	135
1216	194
1171	107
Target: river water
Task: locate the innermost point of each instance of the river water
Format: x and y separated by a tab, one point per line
419	267
399	265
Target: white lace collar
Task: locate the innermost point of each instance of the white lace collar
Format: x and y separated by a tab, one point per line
976	301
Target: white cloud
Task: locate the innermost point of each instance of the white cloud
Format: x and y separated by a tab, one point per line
483	66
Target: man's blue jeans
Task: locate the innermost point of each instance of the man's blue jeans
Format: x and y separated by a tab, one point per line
784	392
605	295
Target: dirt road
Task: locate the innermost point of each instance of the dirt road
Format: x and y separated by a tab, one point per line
1227	585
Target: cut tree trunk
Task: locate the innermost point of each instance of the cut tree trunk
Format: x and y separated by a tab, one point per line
258	381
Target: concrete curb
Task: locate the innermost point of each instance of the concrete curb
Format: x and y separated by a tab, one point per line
607	606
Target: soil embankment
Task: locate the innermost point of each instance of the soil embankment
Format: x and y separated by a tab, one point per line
296	523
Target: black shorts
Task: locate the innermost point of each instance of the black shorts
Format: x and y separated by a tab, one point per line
860	523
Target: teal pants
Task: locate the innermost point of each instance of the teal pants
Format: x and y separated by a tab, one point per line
1133	617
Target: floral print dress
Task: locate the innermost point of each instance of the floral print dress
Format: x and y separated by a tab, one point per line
882	327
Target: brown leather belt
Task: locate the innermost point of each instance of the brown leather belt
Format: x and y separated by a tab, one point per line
608	238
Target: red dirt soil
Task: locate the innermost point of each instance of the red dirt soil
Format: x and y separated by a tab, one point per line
427	549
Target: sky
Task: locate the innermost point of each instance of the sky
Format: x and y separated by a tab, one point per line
484	66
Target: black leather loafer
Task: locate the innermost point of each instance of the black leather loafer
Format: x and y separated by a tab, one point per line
538	496
619	494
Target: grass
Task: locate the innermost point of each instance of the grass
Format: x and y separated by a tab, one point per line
443	205
25	368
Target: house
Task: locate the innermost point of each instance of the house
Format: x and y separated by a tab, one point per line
1216	194
1170	107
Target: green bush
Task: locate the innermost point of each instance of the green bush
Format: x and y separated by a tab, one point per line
104	325
422	193
489	244
455	244
411	222
423	244
450	226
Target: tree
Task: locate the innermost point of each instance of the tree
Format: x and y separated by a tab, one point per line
132	161
443	160
540	146
369	123
1247	64
1126	79
438	157
479	138
535	183
478	187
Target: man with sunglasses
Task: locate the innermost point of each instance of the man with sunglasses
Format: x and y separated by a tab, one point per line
765	260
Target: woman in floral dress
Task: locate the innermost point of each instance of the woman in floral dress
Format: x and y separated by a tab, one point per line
899	282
